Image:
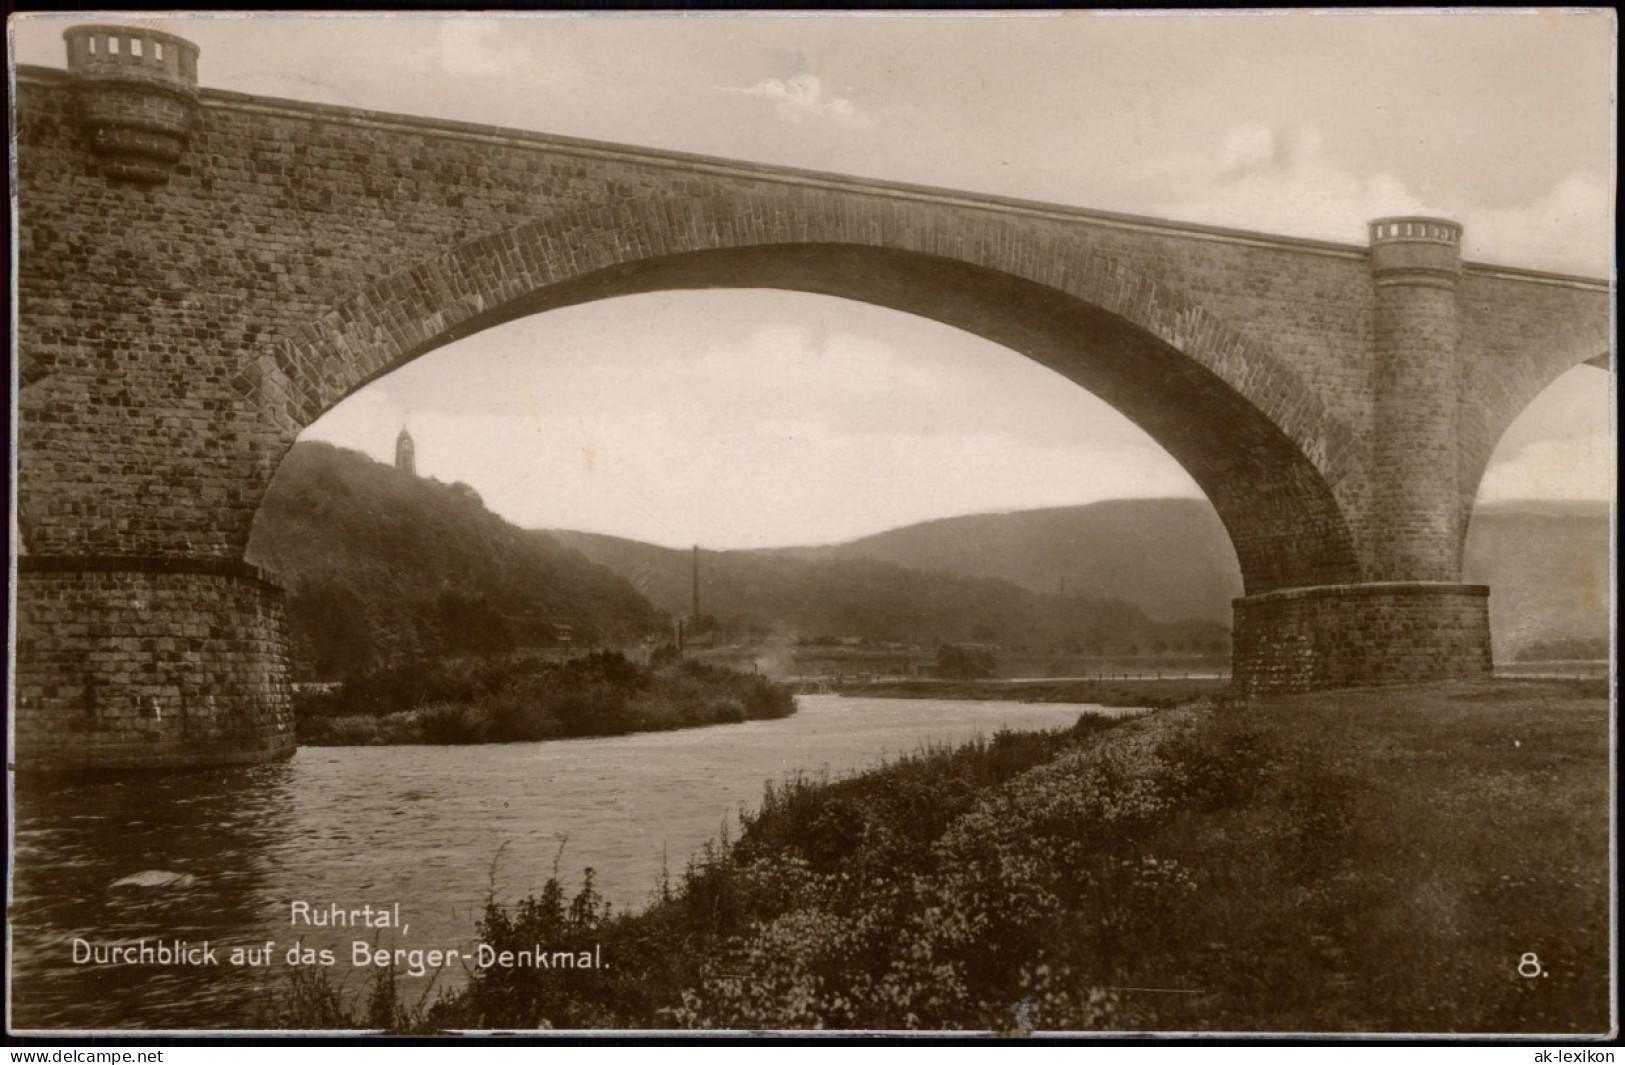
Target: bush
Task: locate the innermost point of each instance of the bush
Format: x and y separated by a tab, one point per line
519	699
450	723
516	997
1291	868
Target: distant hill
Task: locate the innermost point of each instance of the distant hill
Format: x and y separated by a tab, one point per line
1170	557
1548	564
1548	568
756	592
383	566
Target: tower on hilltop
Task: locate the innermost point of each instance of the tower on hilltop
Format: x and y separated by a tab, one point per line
406	453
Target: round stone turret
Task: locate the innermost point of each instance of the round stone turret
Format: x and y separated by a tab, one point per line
1415	506
1416	250
137	97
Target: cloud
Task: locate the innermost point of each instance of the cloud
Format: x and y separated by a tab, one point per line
801	97
1282	179
1279	180
1563	445
733	361
734	419
495	48
1567	468
1570	228
1251	151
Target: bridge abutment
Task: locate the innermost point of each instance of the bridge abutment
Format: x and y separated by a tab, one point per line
1352	635
125	663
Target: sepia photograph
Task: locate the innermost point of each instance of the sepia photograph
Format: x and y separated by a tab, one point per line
1024	524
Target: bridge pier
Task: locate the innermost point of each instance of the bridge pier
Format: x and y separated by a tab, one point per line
1410	621
127	663
1350	635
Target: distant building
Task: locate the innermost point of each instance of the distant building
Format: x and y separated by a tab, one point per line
406	453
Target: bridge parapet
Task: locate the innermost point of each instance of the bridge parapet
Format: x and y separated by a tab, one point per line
137	97
1415	228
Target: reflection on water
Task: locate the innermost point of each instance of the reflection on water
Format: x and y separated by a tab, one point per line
182	856
220	855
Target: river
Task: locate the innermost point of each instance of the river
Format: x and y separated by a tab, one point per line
221	856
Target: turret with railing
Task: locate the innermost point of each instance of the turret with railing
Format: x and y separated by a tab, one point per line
137	97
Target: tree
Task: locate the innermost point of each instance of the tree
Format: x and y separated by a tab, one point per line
470	623
329	630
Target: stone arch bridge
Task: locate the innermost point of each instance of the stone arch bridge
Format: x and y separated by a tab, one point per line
201	274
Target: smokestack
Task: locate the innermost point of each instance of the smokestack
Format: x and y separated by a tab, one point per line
695	609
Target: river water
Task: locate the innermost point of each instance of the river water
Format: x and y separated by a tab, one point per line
221	856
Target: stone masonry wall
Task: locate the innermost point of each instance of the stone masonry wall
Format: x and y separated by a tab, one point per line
278	213
1356	635
124	669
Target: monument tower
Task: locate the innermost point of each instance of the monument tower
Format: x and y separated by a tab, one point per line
406	453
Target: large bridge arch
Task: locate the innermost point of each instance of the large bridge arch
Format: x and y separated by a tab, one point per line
1160	359
1564	584
1525	364
201	273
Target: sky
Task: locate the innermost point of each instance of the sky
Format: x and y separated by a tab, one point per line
757	418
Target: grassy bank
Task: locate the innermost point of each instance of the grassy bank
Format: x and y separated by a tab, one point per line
1366	861
1154	693
518	699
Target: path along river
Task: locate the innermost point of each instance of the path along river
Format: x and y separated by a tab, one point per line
222	856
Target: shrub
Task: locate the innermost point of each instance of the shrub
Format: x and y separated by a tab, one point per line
500	701
1288	870
449	723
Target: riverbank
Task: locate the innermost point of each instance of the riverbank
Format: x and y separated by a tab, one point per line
1423	859
524	699
1156	693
